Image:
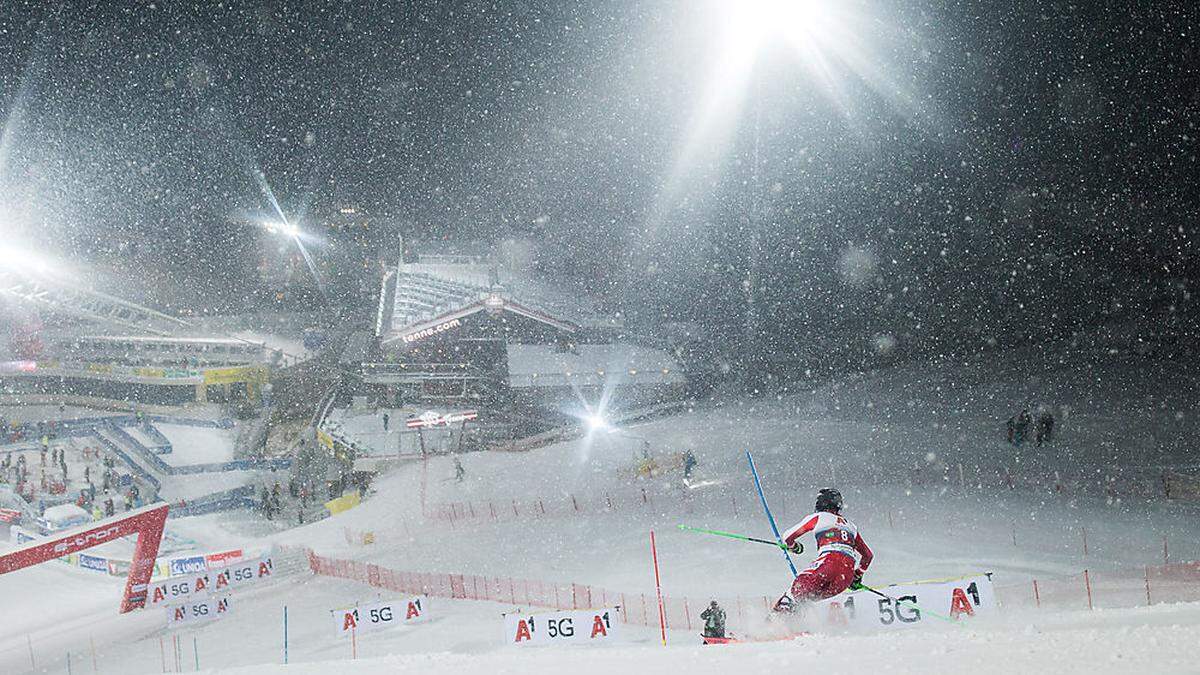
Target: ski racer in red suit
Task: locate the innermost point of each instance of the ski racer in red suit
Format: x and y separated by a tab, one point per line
842	555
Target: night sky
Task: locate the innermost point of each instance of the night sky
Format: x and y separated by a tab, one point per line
1035	174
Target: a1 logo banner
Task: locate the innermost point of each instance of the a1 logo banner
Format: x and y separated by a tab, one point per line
197	610
247	571
176	588
200	584
960	599
596	626
379	615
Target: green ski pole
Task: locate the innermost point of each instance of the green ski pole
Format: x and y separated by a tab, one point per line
732	535
859	586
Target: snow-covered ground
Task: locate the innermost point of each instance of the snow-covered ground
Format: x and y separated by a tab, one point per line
197	445
861	434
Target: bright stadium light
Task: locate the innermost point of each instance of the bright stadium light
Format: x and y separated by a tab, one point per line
596	422
20	260
282	227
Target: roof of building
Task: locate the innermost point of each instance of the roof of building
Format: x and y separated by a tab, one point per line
590	365
427	292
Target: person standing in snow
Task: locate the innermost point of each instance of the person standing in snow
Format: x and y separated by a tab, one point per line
714	621
1024	420
689	463
842	555
386	420
1045	427
459	471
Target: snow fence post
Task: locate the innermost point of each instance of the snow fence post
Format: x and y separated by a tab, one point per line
1147	585
1087	582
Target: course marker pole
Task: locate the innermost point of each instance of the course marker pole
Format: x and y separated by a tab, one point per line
763	498
662	616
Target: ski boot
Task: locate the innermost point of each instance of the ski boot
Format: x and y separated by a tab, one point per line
784	605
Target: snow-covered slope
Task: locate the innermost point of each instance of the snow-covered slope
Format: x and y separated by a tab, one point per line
862	434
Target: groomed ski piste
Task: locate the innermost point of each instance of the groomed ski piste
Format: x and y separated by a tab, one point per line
577	512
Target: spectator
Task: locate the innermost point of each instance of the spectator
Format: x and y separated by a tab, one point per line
265	502
1024	421
1045	427
386	420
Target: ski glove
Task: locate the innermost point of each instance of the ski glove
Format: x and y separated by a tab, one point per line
796	548
857	583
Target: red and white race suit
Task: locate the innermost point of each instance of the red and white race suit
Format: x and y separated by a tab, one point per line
841	552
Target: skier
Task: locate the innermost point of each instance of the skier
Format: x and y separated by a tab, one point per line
714	621
842	555
459	471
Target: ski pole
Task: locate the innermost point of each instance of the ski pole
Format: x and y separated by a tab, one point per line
863	587
770	518
733	535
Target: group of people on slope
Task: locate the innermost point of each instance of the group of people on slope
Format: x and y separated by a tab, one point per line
1019	426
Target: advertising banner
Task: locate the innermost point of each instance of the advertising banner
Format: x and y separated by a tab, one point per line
598	626
189	565
177	588
94	563
378	615
222	558
197	610
234	375
201	583
959	599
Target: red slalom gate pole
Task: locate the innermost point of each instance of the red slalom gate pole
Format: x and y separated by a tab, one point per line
1037	598
662	616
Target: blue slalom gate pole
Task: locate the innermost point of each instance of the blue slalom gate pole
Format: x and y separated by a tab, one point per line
285	654
771	518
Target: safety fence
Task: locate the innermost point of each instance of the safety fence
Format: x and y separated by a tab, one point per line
1108	588
1089	589
636	608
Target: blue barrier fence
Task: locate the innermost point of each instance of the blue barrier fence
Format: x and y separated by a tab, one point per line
133	466
218	501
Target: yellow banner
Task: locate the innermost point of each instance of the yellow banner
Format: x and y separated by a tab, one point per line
232	375
150	372
325	439
343	503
